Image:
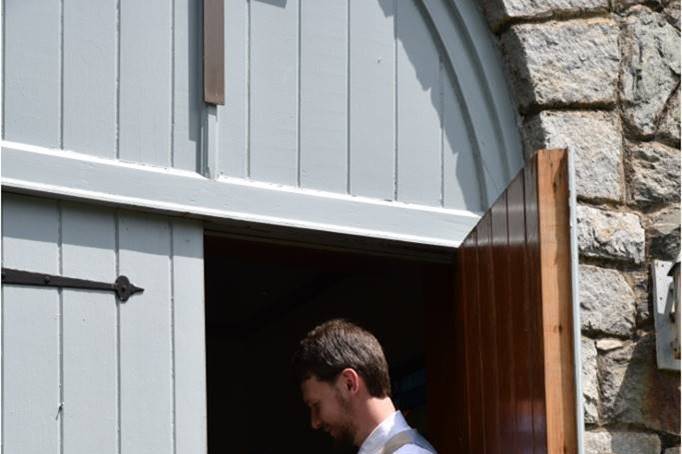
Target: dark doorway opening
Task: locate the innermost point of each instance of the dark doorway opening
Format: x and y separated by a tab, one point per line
262	297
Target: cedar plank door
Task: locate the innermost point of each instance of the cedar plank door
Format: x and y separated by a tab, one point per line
504	383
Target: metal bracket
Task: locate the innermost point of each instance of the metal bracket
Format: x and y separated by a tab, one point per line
666	325
123	288
214	51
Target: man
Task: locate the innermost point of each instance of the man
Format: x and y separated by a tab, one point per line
344	380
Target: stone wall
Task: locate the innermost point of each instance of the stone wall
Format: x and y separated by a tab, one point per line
602	77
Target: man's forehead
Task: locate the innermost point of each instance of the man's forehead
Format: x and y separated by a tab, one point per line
312	388
310	384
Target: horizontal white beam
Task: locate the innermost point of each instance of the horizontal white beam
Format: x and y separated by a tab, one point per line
66	174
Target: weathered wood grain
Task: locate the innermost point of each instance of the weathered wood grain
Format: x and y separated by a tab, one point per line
557	313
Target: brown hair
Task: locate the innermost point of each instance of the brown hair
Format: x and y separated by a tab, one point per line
339	344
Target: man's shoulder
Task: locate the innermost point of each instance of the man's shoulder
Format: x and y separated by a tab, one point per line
412	449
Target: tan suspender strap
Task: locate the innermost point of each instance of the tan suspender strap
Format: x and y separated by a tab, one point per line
407	437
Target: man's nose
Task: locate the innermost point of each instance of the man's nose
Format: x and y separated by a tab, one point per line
315	421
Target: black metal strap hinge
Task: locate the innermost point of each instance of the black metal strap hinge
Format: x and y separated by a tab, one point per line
123	288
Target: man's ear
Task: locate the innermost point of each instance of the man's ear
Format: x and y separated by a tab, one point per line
350	380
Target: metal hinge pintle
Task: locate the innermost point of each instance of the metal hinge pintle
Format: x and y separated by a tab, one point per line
123	288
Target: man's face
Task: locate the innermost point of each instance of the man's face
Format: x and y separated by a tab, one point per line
329	408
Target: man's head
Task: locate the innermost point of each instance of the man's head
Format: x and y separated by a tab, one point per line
343	374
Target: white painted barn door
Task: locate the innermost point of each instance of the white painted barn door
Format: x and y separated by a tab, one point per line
82	373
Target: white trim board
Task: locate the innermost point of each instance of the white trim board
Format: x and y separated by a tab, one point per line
66	174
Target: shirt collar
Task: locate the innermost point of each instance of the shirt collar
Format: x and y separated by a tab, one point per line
393	424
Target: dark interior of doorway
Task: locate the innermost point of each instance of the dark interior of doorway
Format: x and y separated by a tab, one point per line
262	297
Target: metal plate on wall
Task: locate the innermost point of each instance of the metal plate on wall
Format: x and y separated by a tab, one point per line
667	332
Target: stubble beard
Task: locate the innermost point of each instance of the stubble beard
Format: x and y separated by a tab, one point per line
345	431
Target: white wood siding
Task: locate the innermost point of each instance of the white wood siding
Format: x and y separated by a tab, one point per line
419	109
89	61
31	331
81	373
323	135
387	100
32	72
349	96
372	98
89	324
117	79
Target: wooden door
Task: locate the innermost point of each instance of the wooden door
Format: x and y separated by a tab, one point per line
83	372
505	380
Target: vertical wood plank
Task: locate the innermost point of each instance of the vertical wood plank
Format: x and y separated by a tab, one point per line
445	379
465	309
145	335
274	91
557	314
503	325
419	105
520	308
187	102
478	410
89	332
372	98
189	344
145	81
233	116
461	185
514	255
536	352
323	97
31	363
487	321
90	42
32	72
209	138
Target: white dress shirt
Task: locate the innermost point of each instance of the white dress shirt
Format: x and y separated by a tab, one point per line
390	426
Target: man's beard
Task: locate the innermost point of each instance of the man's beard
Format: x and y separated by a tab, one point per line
344	436
344	442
